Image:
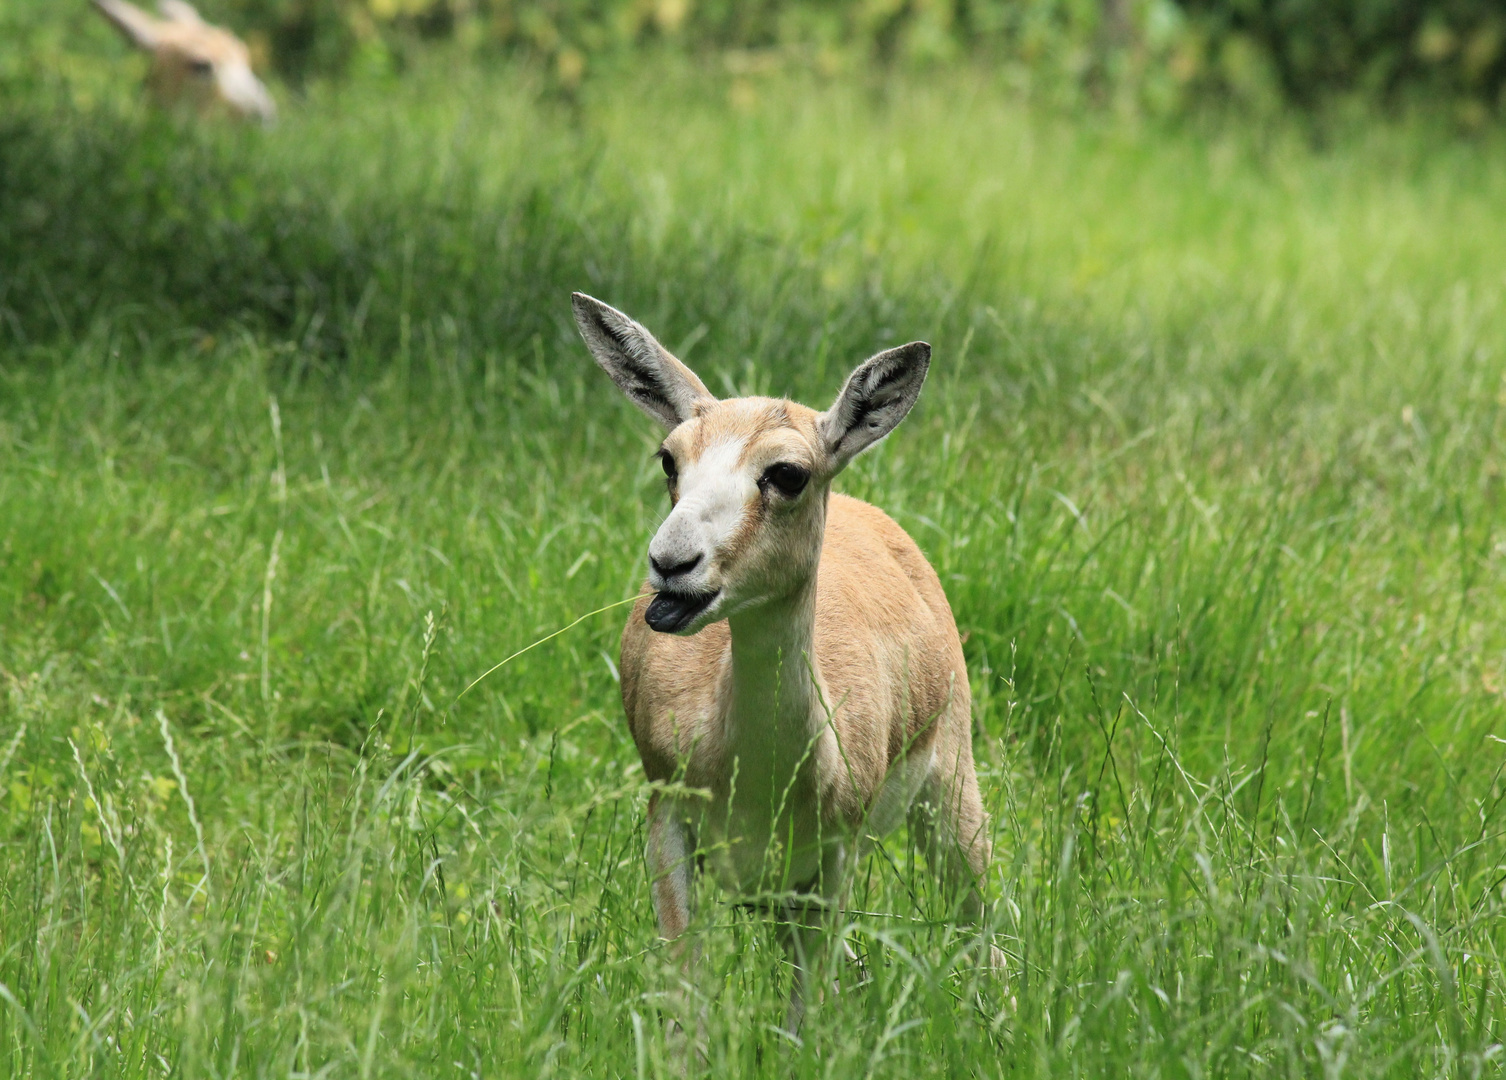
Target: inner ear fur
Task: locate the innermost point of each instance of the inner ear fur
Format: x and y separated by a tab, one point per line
643	369
878	395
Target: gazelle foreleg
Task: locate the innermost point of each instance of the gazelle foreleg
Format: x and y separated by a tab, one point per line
671	866
670	854
809	919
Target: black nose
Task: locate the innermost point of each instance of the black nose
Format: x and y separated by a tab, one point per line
668	572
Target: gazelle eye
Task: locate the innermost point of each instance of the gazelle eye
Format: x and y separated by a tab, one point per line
789	479
668	461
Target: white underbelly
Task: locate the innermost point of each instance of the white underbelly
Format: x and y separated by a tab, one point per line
901	784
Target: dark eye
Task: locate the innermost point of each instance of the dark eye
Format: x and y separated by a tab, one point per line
789	479
201	68
668	461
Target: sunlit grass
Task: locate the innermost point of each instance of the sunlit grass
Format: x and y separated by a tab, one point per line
1209	462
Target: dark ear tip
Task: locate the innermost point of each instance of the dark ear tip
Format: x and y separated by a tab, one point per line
588	310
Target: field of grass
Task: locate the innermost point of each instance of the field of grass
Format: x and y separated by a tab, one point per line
296	440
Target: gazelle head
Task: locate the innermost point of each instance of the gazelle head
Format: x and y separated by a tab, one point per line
748	477
191	60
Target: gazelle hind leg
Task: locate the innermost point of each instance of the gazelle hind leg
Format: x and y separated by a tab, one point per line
807	926
951	828
805	933
801	937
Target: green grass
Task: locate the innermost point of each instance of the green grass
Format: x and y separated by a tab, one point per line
1210	464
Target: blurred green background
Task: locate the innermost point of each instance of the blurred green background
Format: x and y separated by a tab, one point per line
1160	55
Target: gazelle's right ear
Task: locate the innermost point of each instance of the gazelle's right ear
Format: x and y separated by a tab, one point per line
643	369
131	21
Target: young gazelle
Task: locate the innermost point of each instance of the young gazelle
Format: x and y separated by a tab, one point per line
191	60
793	654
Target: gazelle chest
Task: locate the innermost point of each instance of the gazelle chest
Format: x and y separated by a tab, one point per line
764	829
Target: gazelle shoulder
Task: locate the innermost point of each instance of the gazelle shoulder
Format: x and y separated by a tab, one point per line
855	528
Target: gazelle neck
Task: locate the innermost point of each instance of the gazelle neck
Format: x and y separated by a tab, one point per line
775	678
777	746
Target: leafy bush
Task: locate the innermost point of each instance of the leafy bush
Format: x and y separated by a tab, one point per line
1380	46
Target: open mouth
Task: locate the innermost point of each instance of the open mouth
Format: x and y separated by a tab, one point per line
671	611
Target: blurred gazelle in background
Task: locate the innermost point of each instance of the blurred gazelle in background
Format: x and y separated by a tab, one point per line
192	61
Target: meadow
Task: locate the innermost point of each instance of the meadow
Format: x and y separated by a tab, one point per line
297	440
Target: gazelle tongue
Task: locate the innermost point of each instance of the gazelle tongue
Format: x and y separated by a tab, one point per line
670	611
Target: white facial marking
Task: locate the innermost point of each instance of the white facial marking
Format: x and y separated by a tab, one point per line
713	493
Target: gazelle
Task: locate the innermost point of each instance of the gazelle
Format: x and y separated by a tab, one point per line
191	60
793	654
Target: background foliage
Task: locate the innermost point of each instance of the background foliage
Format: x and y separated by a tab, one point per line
1155	54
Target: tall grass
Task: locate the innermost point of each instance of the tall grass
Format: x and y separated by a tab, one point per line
295	441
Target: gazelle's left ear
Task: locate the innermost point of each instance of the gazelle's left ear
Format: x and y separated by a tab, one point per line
876	398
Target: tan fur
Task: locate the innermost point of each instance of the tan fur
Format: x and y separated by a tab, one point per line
195	63
887	652
887	658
